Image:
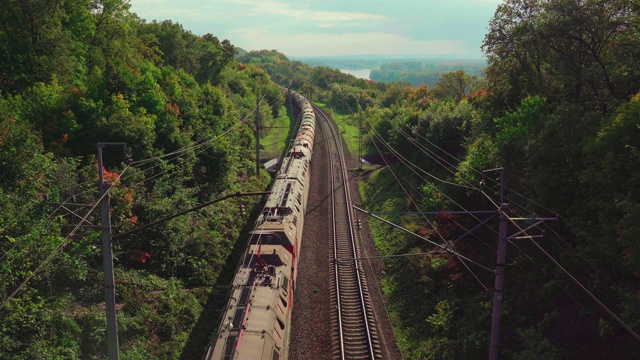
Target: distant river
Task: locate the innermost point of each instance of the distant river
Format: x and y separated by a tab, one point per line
359	73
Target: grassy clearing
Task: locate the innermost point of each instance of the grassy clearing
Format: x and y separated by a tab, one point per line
276	139
348	127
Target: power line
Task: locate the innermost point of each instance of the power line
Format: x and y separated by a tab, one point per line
64	243
553	260
432	225
589	293
444	248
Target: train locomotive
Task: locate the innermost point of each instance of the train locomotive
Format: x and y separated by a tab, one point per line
257	319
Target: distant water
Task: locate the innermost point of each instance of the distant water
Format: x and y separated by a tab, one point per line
359	73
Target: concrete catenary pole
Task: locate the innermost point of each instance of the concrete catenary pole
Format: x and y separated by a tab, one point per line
494	348
107	261
258	134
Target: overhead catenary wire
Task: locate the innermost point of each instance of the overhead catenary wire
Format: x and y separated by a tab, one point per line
412	168
589	293
563	289
556	263
440	160
52	255
404	160
461	258
580	285
43	225
67	239
436	157
47	221
602	305
134	164
600	272
432	225
531	201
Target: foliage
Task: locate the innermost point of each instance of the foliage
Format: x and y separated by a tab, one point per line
79	72
558	111
426	72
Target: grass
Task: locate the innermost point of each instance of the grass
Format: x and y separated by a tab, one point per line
349	131
275	141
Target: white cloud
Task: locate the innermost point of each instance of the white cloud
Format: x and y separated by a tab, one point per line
262	7
311	28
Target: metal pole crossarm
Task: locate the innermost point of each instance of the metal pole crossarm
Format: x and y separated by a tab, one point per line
523	230
535	218
527	237
103	144
238	194
67	204
433	212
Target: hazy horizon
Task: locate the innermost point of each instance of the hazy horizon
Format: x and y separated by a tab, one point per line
453	28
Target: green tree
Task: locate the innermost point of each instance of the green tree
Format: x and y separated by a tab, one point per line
455	85
563	50
611	196
34	44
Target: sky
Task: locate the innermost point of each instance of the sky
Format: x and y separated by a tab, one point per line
308	28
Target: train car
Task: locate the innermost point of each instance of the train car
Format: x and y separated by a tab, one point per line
257	319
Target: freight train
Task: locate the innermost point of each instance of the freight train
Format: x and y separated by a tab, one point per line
256	321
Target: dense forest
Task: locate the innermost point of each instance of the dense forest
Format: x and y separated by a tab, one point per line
74	73
417	73
558	108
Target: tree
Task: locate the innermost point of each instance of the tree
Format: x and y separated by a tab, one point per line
610	202
563	50
33	42
455	85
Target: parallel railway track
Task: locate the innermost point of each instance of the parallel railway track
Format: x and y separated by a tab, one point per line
353	323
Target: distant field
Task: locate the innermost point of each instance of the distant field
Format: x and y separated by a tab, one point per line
375	61
414	70
425	71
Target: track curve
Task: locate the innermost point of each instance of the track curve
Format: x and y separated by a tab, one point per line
353	322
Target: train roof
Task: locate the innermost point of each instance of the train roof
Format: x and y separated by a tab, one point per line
254	322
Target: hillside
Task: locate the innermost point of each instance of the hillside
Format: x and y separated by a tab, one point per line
559	110
72	76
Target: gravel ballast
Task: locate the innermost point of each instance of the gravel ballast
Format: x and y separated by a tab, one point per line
311	327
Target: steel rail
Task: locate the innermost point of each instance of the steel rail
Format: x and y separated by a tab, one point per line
353	304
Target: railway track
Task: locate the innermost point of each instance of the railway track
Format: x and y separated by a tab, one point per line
353	323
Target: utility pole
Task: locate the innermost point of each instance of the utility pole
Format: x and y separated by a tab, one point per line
291	109
503	238
496	318
360	142
290	101
107	261
258	134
